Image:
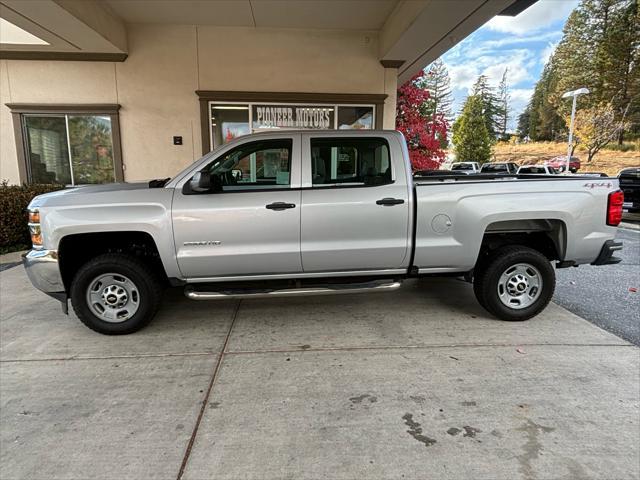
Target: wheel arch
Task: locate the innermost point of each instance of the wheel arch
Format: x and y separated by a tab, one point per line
547	236
74	250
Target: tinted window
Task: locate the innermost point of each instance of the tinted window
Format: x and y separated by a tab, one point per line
462	166
350	161
255	165
536	170
494	168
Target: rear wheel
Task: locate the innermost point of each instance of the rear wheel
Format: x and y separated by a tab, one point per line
514	283
115	294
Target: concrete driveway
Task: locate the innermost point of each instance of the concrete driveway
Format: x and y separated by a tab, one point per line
418	383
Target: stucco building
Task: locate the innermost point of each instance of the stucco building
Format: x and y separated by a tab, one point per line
96	91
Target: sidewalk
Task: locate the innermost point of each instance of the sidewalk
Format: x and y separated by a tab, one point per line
416	384
9	260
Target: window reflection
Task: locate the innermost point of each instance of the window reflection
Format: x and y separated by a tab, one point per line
229	122
48	155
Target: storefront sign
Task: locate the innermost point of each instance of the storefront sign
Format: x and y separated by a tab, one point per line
293	116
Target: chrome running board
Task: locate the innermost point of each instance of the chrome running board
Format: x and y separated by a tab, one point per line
337	289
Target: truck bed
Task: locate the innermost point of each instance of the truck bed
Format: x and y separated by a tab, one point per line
453	213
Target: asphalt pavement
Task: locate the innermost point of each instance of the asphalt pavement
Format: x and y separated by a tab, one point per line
607	296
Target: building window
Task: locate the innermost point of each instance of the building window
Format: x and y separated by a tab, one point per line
355	117
229	121
69	145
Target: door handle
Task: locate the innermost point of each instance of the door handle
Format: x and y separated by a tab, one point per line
280	206
389	201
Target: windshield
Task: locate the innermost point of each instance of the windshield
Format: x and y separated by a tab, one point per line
496	167
462	166
538	170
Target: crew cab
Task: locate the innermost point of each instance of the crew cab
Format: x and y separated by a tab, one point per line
312	213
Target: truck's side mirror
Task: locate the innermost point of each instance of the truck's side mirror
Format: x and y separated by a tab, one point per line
204	182
201	181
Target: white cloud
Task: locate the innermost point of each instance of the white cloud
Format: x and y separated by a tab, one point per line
545	55
519	99
521	94
510	40
465	73
517	64
522	44
463	76
537	17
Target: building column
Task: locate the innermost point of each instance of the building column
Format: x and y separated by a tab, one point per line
390	89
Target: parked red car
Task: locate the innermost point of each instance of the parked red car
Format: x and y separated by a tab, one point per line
560	162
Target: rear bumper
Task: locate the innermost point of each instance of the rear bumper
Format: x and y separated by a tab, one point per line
606	253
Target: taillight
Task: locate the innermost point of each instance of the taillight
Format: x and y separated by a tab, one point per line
614	208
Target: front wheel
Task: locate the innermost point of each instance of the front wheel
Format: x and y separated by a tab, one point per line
115	294
514	283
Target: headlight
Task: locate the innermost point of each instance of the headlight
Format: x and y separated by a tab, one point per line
34	229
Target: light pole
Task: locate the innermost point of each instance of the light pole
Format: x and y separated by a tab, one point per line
573	94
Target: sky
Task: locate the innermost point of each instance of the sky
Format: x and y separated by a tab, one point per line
522	44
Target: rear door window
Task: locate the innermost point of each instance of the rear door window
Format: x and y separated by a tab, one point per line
345	162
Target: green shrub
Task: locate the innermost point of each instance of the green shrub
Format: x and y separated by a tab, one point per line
14	233
625	147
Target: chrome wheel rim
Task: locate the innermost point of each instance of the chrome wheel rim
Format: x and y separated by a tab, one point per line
113	298
519	286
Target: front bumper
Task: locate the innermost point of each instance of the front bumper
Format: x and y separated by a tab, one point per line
44	272
606	253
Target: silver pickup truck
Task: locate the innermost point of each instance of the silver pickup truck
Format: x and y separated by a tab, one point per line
311	213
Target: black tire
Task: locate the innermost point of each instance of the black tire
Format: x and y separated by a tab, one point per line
487	279
148	292
573	170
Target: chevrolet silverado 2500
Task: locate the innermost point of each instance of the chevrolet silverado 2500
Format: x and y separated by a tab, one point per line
310	213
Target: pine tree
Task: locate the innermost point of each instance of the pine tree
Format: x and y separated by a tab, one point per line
470	136
574	58
523	122
502	116
600	50
619	55
545	123
490	105
437	82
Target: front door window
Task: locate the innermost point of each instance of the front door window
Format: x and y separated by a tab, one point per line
257	165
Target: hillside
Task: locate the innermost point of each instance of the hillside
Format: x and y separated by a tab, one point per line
608	161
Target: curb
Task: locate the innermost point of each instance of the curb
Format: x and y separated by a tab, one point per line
11	258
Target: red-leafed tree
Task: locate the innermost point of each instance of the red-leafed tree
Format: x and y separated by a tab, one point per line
422	131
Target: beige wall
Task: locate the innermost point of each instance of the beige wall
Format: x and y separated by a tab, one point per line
8	158
155	86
